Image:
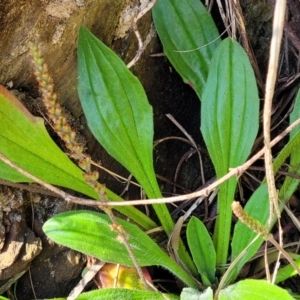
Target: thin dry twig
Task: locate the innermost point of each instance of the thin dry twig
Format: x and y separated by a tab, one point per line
267	269
277	32
245	41
225	18
142	45
206	191
90	274
278	23
193	143
115	175
31	284
231	266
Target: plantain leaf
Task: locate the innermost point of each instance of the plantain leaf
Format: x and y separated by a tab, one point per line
124	294
202	250
287	272
118	113
116	108
25	141
10	174
254	289
120	293
229	124
91	234
121	119
189	37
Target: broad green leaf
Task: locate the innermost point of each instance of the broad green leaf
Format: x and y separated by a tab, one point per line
118	113
91	234
124	294
229	124
25	141
192	294
254	289
189	37
121	119
10	174
120	293
202	250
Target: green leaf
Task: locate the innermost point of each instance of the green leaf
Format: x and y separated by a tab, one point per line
295	114
118	114
124	294
121	119
290	184
192	294
202	250
292	147
286	272
229	124
189	37
254	289
10	174
72	228
25	141
121	293
116	108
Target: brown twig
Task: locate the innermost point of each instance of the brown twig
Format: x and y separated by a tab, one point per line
142	45
245	41
206	191
193	143
278	23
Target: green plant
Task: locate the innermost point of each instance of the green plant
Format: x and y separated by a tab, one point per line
120	118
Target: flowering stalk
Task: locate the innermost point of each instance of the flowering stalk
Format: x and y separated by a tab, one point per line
60	123
257	227
65	132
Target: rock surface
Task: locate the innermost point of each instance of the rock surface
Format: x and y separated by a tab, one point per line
19	245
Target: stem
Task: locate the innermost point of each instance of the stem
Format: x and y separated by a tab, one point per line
128	247
167	223
223	224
